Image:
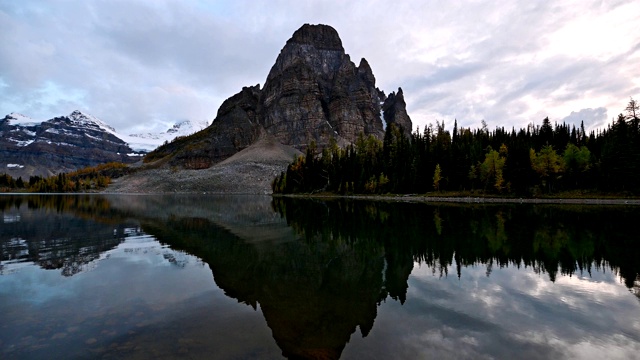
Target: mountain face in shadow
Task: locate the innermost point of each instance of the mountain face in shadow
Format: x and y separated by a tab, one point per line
313	92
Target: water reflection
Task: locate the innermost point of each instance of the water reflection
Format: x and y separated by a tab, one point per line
312	294
319	284
548	238
56	232
320	271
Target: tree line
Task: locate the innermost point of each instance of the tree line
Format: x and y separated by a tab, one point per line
86	179
536	160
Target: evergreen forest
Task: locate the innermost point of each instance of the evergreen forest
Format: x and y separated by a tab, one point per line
535	161
87	179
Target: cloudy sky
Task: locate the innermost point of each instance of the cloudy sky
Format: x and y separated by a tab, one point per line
142	65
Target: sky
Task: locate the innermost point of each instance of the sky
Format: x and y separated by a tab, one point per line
143	65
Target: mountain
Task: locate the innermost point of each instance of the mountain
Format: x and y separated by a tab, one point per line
62	144
66	143
146	142
249	171
314	92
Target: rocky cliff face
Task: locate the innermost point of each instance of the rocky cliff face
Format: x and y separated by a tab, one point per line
235	128
61	144
314	92
395	111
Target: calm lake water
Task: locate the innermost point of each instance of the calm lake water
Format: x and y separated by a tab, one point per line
245	277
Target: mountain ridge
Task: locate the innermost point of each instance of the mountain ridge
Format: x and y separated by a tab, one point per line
148	142
313	93
30	147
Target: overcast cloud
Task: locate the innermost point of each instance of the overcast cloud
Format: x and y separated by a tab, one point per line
142	65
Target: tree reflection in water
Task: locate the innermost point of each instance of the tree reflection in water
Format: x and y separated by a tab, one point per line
346	257
57	232
318	270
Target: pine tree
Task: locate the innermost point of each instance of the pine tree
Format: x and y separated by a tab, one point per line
632	109
437	177
547	164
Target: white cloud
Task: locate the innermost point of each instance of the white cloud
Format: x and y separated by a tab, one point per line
514	312
144	63
592	118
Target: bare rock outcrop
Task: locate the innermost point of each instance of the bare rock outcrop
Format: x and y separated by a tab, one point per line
235	128
313	92
395	111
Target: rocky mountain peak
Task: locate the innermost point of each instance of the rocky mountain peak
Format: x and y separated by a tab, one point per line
365	73
64	143
77	114
395	111
247	100
180	125
19	120
80	119
313	93
321	37
314	51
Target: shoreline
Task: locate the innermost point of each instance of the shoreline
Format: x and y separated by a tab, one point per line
471	199
390	198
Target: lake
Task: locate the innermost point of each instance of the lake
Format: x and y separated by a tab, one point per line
255	277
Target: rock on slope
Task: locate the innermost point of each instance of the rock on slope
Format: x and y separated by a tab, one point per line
250	171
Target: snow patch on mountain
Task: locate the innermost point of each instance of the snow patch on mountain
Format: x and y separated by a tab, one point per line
79	120
21	142
150	141
82	120
21	120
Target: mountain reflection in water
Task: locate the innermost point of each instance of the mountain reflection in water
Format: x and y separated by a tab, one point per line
319	270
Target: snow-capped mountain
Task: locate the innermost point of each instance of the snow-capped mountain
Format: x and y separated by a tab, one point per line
82	120
66	143
20	120
149	141
62	144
